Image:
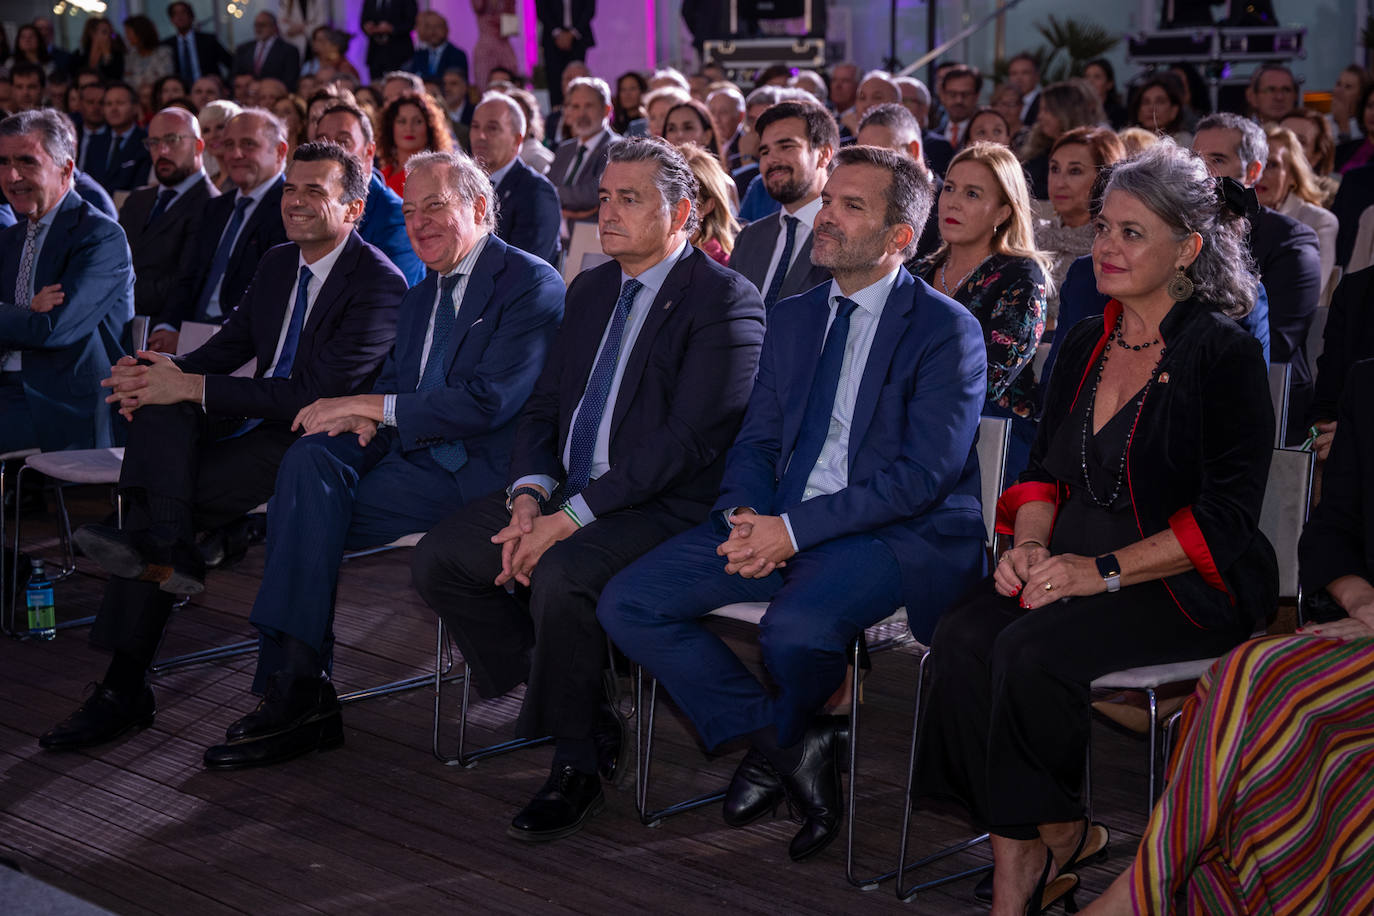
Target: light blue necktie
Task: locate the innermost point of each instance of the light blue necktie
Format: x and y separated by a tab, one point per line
582	443
450	455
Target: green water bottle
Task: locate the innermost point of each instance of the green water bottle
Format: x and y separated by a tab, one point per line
42	613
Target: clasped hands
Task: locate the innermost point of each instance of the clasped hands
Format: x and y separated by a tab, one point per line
525	539
757	546
1026	571
149	377
359	413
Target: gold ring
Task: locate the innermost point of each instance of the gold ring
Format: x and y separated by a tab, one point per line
1049	586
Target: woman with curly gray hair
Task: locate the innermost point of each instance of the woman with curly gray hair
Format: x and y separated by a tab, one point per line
1135	528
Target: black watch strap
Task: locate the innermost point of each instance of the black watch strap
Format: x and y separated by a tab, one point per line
1110	571
539	497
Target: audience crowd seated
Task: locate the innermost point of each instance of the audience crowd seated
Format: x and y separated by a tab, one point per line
818	282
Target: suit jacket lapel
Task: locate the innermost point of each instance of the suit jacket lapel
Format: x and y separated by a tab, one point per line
476	296
334	287
795	387
795	280
46	270
669	294
891	325
583	352
410	340
758	265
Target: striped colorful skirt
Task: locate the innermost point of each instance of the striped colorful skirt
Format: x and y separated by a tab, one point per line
1270	805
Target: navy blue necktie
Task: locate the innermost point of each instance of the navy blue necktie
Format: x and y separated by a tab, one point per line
450	455
784	262
282	369
164	197
820	405
221	260
582	442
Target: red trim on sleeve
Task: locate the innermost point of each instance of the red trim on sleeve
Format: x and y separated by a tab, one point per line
1185	528
1032	491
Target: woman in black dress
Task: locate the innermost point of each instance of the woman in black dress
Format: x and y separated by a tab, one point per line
1135	527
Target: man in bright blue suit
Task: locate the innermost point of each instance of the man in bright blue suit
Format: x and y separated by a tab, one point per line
851	490
66	294
382	225
528	213
437	432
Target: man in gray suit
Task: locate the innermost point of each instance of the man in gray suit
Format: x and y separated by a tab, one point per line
796	142
159	220
577	163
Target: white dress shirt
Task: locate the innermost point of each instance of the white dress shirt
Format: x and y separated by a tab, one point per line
319	274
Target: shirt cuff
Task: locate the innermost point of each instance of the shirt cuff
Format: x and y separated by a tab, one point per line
787	523
584	511
538	480
388	410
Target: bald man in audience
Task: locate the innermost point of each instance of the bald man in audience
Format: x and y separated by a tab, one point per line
527	213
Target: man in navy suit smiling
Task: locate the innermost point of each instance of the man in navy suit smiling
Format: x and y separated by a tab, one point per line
851	490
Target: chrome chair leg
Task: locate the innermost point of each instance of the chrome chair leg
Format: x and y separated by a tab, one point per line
443	664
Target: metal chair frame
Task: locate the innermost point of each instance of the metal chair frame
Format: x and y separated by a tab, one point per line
1280	391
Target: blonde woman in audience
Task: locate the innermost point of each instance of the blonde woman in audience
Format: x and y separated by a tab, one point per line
1319	146
1135	140
1288	186
213	118
715	204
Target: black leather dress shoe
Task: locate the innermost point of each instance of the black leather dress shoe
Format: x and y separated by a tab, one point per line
609	736
103	717
754	791
176	567
295	717
982	891
814	788
560	808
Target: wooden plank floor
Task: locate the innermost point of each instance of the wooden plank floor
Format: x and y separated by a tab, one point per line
140	827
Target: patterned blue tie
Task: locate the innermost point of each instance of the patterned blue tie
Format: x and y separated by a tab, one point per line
221	260
450	455
23	282
784	262
164	197
289	346
820	405
582	442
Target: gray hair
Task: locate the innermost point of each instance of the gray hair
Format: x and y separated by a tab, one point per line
1253	145
595	84
1174	185
218	111
406	77
517	114
674	179
885	77
54	131
764	95
729	92
910	195
276	130
922	91
462	176
672	75
896	118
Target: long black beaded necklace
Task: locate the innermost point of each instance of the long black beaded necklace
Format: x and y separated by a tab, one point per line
1109	501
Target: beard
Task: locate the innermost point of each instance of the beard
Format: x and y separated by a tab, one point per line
789	188
841	255
174	177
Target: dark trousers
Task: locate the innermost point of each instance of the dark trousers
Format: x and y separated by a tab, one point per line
823	598
1005	722
180	476
334	495
547	635
555	59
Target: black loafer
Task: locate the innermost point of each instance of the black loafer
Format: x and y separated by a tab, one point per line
754	791
176	567
296	717
609	737
982	891
560	808
103	717
814	788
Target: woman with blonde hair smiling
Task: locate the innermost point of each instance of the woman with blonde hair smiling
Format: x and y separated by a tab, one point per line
1289	186
715	204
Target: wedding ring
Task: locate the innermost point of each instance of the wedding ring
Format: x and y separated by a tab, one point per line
1049	586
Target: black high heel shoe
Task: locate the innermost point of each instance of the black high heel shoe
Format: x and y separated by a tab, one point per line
1049	892
1092	846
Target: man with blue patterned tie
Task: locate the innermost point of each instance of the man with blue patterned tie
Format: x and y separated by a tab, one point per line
435	433
204	445
619	448
852	489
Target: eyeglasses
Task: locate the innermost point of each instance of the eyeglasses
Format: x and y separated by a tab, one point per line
152	143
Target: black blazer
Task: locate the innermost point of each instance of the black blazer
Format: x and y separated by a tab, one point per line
450	58
160	249
213	56
349	332
937	151
1347	338
1339	537
754	251
528	214
1355	195
283	61
262	231
129	166
1290	268
393	51
1197	463
550	15
681	397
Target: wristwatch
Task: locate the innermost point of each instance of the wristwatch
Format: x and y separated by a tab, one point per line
1110	570
539	497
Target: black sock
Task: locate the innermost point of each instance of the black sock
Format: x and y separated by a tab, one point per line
126	674
783	759
578	753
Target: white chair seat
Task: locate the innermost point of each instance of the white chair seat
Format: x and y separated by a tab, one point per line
409	540
17	454
752	612
93	465
1151	676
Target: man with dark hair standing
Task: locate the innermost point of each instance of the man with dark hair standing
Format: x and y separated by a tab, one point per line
435	433
319	318
268	55
196	54
1023	73
116	157
159	221
861	459
387	25
565	28
436	55
66	294
796	143
618	449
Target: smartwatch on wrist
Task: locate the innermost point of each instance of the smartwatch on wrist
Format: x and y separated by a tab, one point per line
532	491
1110	571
